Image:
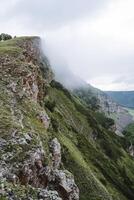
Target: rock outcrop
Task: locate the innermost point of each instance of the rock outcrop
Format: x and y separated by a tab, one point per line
53	182
131	150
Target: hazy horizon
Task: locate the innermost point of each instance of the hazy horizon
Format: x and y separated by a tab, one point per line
94	39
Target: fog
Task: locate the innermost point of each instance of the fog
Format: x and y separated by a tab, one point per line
91	39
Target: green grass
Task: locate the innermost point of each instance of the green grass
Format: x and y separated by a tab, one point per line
130	128
8	50
12	47
90	185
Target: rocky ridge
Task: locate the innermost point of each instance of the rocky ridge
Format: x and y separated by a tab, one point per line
29	160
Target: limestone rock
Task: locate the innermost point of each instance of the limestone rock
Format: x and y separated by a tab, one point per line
56	153
67	186
43	117
131	150
48	195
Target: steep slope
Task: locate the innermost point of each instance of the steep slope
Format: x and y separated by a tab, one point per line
89	150
124	98
46	131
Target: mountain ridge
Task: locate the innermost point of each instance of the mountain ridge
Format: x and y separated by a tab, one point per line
52	144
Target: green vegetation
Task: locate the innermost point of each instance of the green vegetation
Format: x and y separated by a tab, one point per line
13	47
129	134
50	105
88	95
4	36
103	120
10	48
96	163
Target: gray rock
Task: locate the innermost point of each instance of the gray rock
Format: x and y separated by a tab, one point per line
48	195
43	117
67	183
56	153
2	143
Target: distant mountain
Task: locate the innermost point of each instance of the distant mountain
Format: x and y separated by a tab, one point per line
124	98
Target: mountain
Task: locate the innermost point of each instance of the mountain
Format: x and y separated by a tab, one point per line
94	97
52	145
124	98
111	108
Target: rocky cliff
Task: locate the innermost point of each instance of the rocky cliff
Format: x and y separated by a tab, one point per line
29	160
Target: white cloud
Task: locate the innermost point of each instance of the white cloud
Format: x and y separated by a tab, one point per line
94	38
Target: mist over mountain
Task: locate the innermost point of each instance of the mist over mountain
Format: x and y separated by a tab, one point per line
62	137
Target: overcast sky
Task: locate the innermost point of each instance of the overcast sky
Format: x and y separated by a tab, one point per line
94	38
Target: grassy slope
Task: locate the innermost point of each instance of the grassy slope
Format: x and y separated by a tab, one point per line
101	167
10	122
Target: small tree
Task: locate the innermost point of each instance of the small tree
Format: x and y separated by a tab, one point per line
4	36
50	105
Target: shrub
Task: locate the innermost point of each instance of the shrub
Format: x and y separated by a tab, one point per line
55	124
50	105
129	134
103	120
59	86
5	36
